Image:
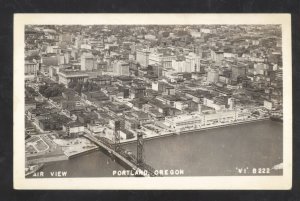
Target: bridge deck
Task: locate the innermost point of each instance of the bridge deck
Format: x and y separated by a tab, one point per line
99	143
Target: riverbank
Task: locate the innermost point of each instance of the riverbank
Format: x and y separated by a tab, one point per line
58	149
83	152
194	130
213	152
146	138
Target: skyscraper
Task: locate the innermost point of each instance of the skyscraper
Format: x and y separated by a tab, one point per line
121	68
88	62
212	76
142	57
237	71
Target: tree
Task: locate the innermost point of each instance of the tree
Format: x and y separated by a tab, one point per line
78	88
72	84
85	86
182	33
165	34
47	92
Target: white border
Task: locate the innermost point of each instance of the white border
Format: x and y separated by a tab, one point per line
180	183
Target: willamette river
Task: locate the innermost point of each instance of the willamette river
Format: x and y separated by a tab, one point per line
211	152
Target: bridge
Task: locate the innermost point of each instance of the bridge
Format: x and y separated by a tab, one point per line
122	155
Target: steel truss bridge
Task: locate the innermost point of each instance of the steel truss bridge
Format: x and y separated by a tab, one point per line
116	151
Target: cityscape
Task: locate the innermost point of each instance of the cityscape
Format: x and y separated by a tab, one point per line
153	100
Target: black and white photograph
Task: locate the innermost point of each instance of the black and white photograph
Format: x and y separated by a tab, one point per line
144	98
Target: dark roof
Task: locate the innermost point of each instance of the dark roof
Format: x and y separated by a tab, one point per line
74	124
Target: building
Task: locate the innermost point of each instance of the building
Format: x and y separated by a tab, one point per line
65	77
260	68
237	71
50	60
184	122
53	72
31	69
213	104
192	62
195	33
65	37
231	103
88	62
197	121
220	117
94	96
150	37
78	41
163	88
137	92
73	129
86	46
155	70
205	30
121	68
179	65
53	49
268	105
213	76
163	59
142	57
96	127
107	60
217	56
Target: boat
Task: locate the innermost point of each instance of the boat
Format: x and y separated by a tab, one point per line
31	169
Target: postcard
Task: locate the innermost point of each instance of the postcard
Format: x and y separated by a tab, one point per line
152	101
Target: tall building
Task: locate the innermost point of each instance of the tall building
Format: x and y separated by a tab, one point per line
237	71
260	68
78	41
163	59
213	76
155	69
142	57
217	56
31	69
192	62
65	37
178	65
231	103
121	68
54	49
88	62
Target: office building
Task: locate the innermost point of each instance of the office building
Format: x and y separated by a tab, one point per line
213	76
142	57
121	68
31	69
163	59
217	56
65	77
237	71
88	62
192	62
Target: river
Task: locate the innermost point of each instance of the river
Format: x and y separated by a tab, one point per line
219	152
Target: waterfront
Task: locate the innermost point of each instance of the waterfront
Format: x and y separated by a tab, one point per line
210	152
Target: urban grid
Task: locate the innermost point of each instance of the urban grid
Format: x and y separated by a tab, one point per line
96	87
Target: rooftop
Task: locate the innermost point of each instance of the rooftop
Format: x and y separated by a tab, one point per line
74	73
